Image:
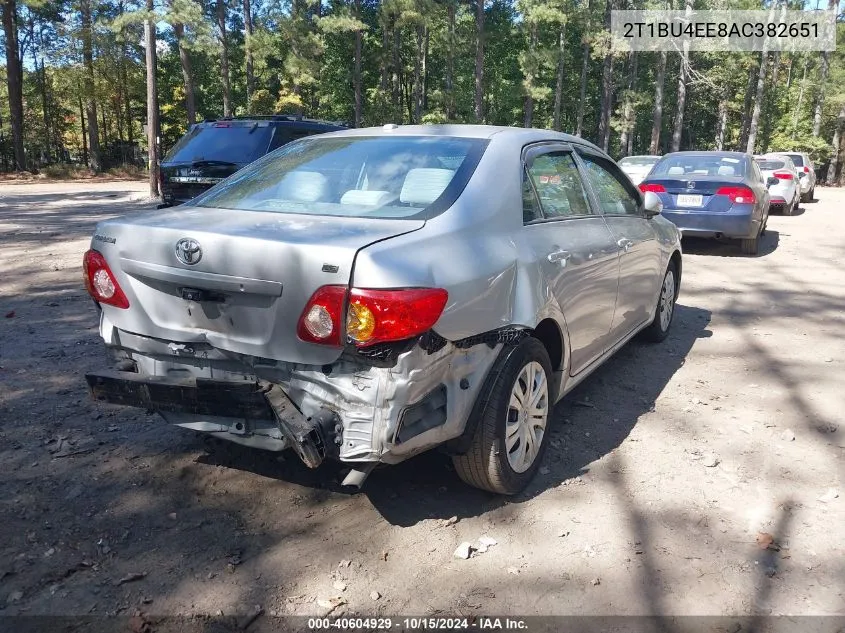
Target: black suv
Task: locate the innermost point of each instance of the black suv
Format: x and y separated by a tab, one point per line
215	149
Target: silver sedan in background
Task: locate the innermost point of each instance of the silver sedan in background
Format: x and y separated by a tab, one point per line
371	294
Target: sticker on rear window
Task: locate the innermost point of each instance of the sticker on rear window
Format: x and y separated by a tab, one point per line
730	160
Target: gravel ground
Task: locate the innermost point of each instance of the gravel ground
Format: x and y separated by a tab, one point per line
703	476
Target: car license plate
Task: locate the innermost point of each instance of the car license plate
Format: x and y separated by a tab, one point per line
685	200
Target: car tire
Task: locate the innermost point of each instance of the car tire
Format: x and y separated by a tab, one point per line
490	463
811	195
658	330
790	208
750	246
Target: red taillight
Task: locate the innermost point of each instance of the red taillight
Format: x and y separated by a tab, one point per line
322	317
648	186
377	316
806	169
740	195
372	316
782	175
100	281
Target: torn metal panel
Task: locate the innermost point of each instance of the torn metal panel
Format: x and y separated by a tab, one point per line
368	401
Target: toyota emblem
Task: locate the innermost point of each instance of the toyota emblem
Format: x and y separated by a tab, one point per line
188	251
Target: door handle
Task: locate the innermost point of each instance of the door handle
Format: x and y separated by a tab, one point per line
559	257
625	244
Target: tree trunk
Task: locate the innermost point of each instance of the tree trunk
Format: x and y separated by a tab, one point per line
832	5
582	92
14	80
530	76
561	43
187	75
94	159
451	10
683	77
722	126
771	104
84	132
753	73
224	58
681	104
425	69
479	61
606	87
836	159
357	71
397	72
817	111
800	99
418	61
758	102
45	109
152	101
384	82
250	68
789	72
130	132
628	109
656	126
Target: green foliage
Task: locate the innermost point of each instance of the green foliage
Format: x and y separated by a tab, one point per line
818	148
417	65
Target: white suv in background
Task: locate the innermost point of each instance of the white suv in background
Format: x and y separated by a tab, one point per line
806	173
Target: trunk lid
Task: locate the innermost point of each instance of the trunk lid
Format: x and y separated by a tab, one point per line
697	194
250	277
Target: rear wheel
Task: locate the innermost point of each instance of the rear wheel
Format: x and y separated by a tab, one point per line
511	429
808	197
751	246
789	208
659	328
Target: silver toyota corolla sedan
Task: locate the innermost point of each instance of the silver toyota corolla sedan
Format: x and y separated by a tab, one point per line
371	294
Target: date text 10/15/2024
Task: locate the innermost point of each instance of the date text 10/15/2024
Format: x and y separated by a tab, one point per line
418	624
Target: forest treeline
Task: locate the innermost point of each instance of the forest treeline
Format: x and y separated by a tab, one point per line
90	80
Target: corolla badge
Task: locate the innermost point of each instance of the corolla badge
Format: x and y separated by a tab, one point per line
188	251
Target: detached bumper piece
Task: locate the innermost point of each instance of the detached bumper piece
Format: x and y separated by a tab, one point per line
312	438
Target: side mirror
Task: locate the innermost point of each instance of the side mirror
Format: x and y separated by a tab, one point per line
771	181
652	204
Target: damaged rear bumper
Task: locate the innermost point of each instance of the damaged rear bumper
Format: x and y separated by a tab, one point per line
352	410
313	438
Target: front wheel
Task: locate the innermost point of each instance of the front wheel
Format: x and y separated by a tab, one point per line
659	328
511	421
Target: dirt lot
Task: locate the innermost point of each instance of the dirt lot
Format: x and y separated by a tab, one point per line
670	472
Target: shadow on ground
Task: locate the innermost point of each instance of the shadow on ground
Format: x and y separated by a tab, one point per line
588	423
724	247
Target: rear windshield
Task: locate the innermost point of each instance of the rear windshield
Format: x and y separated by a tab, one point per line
227	142
376	177
797	159
699	165
770	163
639	161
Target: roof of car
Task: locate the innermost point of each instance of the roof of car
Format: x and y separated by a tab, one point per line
705	153
465	131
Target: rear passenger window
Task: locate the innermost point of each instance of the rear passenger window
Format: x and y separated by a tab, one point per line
555	178
615	198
